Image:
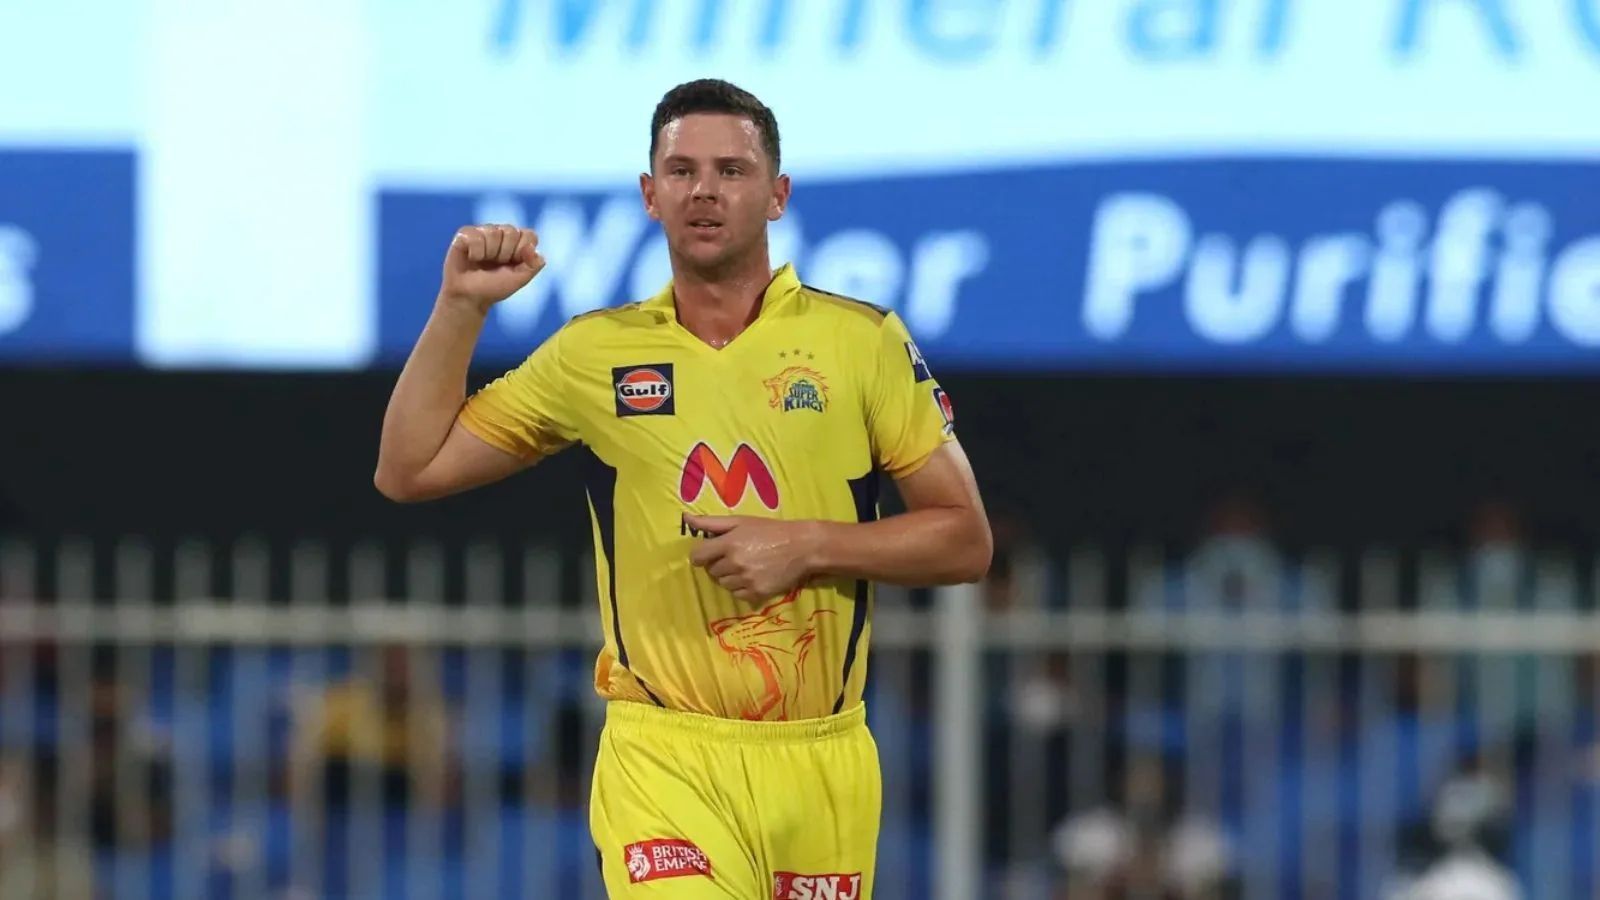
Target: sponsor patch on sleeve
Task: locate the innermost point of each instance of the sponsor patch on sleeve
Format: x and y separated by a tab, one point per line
919	366
946	409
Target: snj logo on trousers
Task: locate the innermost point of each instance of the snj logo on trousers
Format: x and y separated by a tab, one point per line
790	886
644	390
745	470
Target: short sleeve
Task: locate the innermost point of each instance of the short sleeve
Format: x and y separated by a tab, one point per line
527	411
908	414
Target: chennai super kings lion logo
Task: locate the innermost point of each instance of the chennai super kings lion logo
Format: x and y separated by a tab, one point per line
798	387
776	645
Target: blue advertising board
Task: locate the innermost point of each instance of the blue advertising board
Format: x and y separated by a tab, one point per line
1317	265
1366	186
67	256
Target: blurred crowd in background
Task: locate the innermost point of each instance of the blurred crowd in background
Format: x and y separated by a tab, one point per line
1198	763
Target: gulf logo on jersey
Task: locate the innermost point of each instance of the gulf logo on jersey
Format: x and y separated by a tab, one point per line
790	886
643	390
745	470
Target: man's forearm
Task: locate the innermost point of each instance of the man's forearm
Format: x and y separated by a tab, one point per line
947	545
430	391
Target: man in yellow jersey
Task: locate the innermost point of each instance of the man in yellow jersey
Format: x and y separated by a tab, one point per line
733	429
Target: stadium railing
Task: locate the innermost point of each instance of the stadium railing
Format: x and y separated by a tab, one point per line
196	718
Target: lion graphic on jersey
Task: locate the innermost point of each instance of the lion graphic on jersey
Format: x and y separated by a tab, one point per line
638	863
776	644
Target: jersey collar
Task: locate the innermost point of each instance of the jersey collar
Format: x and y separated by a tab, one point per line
785	283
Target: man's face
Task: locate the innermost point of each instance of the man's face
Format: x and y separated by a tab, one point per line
713	188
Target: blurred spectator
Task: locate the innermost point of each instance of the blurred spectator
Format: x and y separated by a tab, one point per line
123	745
1498	576
37	860
1210	692
1144	843
1463	875
1586	695
395	727
1032	708
558	780
1470	818
999	594
1413	725
1473	810
1093	848
1046	702
1234	565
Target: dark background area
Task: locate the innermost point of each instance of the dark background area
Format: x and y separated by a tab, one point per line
1340	461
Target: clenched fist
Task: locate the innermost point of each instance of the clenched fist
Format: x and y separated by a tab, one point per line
488	263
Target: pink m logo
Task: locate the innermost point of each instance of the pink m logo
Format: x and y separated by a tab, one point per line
746	469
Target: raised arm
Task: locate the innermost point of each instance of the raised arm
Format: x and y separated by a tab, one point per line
425	452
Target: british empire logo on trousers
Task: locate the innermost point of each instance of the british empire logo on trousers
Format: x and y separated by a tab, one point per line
664	858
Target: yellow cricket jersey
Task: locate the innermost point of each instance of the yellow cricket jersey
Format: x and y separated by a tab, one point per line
793	419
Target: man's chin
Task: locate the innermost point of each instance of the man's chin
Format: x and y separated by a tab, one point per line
704	258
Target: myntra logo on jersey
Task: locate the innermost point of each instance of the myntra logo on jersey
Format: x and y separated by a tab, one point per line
744	470
790	886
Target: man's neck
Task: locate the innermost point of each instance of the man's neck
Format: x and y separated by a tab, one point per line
716	309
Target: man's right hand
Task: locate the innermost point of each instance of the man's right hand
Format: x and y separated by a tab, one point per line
488	263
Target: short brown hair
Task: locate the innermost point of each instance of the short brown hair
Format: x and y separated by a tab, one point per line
713	95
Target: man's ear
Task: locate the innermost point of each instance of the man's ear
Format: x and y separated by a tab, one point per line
647	192
780	198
